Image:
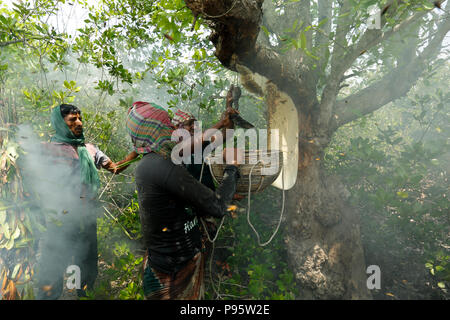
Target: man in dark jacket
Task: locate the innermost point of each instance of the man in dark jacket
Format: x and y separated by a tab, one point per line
174	262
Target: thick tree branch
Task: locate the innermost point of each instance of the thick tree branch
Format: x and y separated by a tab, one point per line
235	26
331	89
342	61
391	87
7	43
270	64
343	25
322	35
305	16
373	37
25	40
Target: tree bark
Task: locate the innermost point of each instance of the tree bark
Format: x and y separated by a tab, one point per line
324	240
323	235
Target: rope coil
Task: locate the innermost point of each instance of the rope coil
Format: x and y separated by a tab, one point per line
248	209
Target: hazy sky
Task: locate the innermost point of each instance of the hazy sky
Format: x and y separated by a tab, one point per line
70	18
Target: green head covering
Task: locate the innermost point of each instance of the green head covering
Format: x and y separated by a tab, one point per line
89	174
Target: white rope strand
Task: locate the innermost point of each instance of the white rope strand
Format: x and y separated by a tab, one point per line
203	221
248	208
221	15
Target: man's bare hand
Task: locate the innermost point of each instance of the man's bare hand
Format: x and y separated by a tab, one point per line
111	167
225	120
238	197
229	99
233	156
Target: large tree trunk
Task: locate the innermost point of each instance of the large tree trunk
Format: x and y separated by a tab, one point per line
323	234
323	229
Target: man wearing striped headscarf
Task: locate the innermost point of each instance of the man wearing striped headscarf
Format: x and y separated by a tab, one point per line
174	261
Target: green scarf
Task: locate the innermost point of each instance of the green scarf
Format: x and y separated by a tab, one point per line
89	174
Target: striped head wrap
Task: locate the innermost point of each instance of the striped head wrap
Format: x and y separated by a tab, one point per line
180	117
150	129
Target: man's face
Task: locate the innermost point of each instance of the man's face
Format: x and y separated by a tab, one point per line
189	125
73	121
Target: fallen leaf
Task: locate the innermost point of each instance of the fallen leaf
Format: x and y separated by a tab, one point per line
46	288
390	294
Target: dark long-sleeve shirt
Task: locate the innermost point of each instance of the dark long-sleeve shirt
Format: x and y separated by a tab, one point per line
171	234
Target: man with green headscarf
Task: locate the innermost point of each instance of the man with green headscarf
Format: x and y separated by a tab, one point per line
71	236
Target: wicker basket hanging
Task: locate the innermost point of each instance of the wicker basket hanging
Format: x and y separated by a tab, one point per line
257	162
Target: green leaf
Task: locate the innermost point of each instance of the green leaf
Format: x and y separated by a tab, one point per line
302	41
3	20
264	29
2	217
9	244
428	6
26	93
441	285
402	194
323	21
39	28
309	54
16	233
6	232
15	271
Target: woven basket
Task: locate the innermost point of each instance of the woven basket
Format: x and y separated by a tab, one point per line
258	163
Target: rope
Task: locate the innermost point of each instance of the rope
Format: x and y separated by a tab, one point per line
248	208
213	241
202	220
221	15
217	232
